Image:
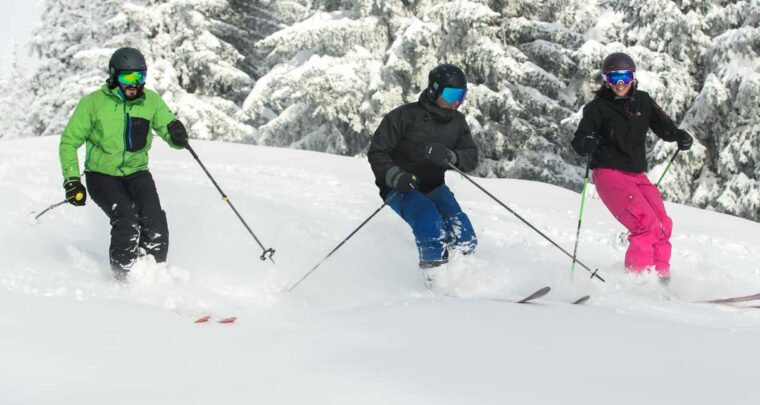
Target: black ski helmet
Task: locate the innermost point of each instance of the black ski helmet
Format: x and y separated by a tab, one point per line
618	61
445	75
125	59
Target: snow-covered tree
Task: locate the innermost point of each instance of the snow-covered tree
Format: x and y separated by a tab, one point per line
71	42
196	72
14	97
320	74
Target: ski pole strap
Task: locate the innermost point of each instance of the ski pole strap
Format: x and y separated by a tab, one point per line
593	273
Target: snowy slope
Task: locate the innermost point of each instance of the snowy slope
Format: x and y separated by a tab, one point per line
362	328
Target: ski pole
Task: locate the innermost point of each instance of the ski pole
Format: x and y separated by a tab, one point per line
78	197
594	273
624	235
266	253
667	168
391	197
580	217
51	207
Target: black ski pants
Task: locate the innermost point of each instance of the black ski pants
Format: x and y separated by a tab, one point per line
137	220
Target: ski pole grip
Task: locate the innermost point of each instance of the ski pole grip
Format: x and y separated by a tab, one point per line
79	196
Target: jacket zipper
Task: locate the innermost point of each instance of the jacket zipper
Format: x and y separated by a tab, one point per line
124	152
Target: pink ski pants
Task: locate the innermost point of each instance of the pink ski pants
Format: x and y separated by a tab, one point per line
637	204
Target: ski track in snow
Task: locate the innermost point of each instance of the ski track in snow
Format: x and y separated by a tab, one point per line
304	203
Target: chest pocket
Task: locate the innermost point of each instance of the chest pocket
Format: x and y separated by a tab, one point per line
137	133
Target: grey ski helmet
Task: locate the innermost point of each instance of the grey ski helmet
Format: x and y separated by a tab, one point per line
125	59
445	75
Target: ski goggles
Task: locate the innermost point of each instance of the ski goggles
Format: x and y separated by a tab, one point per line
614	77
133	78
453	95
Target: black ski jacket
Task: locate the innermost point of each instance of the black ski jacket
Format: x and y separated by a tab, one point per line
621	126
399	143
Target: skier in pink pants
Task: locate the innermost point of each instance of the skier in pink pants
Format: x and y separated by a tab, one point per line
613	131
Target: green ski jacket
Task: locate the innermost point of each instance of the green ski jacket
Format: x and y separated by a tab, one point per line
117	132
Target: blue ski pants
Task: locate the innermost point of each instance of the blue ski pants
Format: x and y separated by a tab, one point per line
437	221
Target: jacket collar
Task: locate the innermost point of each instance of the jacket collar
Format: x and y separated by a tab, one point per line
438	113
116	94
626	105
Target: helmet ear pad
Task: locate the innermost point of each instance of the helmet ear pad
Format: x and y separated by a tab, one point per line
433	92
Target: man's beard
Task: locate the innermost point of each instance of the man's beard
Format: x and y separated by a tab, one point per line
138	92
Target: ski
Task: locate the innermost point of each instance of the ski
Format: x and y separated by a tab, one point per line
538	294
208	318
731	300
581	300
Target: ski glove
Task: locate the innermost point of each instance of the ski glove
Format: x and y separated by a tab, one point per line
588	144
76	194
405	182
400	180
440	154
684	140
178	133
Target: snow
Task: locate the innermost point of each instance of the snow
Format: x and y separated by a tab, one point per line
362	328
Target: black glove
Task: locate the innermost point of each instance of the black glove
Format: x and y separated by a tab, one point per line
404	182
588	144
76	194
684	140
440	154
178	133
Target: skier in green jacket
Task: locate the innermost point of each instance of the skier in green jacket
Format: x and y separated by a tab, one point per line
115	122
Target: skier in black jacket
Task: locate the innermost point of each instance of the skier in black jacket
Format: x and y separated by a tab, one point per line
613	130
410	153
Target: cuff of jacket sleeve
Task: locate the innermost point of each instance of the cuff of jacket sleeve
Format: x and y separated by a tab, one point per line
390	176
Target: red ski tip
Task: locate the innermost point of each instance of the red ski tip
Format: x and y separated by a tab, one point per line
203	319
228	320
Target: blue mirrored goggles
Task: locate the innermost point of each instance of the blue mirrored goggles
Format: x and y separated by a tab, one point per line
625	76
133	78
453	95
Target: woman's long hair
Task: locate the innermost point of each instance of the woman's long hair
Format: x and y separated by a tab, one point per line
630	101
604	91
